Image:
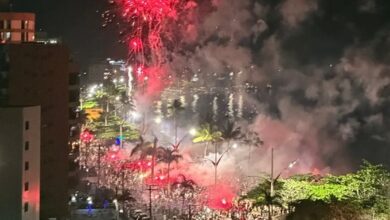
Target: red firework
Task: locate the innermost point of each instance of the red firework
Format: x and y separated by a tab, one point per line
160	180
138	165
147	20
151	80
136	44
114	155
86	136
220	197
148	24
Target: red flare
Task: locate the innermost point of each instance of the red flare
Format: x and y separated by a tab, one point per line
136	44
220	197
86	136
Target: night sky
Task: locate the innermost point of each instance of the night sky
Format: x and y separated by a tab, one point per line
336	26
78	23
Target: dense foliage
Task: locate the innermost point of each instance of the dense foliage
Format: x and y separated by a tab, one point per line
363	193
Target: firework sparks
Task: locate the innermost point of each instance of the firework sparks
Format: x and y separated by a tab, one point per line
147	28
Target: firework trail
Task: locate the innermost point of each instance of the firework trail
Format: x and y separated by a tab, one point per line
147	30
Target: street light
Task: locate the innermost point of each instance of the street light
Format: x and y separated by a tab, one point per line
193	131
135	115
158	120
272	179
89	200
216	162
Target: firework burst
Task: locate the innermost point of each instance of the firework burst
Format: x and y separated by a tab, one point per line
149	28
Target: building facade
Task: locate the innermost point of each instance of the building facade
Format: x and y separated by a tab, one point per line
44	74
17	27
20	144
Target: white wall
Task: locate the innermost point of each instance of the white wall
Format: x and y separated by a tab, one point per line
32	155
12	158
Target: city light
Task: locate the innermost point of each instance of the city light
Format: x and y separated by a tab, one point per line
135	115
292	164
181	123
89	200
158	120
193	131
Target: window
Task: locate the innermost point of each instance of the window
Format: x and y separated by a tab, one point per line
24	24
26	125
26	146
26	207
24	36
74	96
26	186
7	24
73	79
26	165
5	36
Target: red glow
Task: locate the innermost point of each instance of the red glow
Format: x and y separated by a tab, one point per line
220	197
140	70
86	136
149	9
152	79
150	22
114	155
158	180
138	165
316	171
136	44
147	18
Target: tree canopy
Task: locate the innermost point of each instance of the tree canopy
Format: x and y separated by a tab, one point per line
366	191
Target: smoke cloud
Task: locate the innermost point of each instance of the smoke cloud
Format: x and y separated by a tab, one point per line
327	88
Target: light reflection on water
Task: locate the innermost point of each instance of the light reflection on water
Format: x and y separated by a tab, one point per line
240	105
194	102
215	108
218	105
231	106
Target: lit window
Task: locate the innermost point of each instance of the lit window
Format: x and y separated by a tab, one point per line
24	24
7	24
5	36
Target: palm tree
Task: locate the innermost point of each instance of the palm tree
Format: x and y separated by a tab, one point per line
216	162
176	107
206	135
185	186
250	139
270	201
105	97
262	196
115	126
144	148
185	183
147	149
177	145
231	132
168	156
